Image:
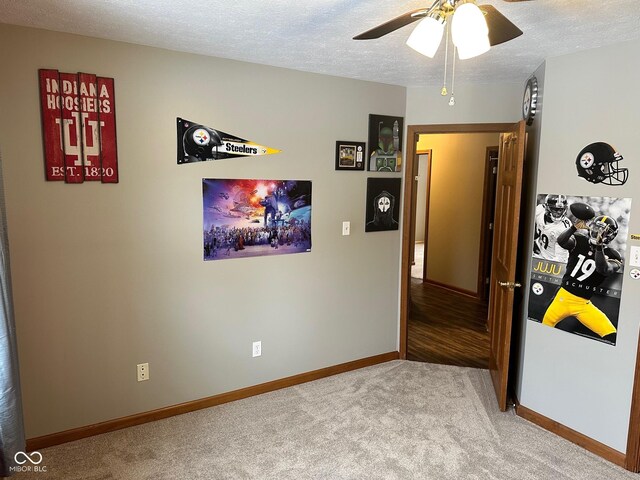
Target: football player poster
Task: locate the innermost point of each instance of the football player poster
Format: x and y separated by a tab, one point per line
248	218
577	266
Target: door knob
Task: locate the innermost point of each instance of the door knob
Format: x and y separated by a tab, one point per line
510	285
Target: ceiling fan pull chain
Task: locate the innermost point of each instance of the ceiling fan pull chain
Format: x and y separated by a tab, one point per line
452	100
443	92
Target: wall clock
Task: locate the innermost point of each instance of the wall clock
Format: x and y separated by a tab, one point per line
530	100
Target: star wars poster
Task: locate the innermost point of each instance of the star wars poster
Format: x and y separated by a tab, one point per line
249	218
578	261
383	204
385	143
198	143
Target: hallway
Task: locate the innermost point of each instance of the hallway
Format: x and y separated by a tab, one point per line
446	327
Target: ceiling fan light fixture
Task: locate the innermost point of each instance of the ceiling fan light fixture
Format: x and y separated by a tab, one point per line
473	49
469	31
426	37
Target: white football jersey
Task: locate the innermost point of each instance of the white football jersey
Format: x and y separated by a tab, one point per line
546	237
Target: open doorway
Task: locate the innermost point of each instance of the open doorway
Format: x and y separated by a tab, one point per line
454	205
505	241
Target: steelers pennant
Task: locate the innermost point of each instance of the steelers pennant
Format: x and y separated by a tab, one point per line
198	143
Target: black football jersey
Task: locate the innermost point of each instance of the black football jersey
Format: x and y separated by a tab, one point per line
581	277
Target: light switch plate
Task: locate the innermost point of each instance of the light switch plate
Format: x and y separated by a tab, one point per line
634	257
346	228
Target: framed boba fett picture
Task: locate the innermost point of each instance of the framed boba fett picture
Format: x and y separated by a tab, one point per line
385	143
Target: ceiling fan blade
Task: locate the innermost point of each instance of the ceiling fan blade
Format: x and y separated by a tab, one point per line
392	25
500	28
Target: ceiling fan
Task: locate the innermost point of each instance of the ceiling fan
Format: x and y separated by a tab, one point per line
473	29
500	29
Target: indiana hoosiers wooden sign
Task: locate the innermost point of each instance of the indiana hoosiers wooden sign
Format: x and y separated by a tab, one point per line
79	127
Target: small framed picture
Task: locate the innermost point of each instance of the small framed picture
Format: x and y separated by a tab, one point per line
350	155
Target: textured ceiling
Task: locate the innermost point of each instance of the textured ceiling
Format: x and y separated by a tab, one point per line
316	35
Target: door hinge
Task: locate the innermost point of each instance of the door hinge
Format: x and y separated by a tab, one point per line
491	226
495	170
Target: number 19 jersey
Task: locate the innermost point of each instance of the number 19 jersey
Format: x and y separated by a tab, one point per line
581	277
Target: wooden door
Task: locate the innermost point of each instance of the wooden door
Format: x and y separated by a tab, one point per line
505	245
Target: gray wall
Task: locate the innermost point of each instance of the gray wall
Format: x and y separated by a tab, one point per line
108	276
494	103
583	384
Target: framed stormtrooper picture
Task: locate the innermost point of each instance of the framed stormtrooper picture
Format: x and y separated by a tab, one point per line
383	204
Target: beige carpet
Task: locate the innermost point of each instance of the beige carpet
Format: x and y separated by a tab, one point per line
398	420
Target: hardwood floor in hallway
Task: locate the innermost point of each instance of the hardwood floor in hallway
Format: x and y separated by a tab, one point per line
446	327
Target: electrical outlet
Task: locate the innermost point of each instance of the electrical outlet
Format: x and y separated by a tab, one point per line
143	372
257	349
346	228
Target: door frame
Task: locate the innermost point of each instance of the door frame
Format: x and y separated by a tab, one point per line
425	243
414	199
632	455
488	207
413	133
414	210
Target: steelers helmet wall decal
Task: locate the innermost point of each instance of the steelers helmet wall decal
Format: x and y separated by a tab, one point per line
598	163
